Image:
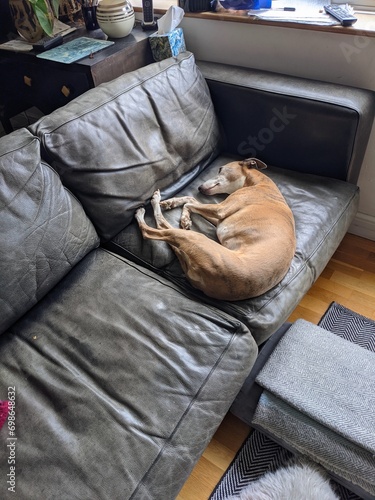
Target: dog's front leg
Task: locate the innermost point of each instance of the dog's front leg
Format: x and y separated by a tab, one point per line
185	221
177	202
208	212
190	204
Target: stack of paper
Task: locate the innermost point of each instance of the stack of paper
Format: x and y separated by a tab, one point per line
306	12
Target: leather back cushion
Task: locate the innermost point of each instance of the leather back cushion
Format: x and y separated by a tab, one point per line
303	125
113	146
44	230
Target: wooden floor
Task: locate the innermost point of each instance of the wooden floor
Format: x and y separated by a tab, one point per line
349	279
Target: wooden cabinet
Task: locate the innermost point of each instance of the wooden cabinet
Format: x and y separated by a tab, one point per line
28	81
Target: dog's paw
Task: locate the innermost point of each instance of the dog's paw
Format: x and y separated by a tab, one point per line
166	204
186	222
156	196
140	212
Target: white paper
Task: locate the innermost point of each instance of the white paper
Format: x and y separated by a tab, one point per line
306	12
170	20
305	16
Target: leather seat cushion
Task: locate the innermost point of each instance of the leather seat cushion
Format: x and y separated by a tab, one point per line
120	380
323	209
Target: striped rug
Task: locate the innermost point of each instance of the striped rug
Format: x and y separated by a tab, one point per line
259	454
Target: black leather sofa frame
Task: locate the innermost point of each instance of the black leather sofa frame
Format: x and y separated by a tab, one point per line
117	370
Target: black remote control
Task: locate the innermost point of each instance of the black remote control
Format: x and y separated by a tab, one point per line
342	13
47	42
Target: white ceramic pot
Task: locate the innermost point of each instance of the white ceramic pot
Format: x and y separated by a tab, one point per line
115	17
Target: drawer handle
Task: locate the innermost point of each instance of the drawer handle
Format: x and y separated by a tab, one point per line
65	91
27	80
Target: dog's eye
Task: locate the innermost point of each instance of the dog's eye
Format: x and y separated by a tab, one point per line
220	169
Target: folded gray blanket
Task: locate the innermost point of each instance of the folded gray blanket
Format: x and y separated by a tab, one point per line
320	399
304	435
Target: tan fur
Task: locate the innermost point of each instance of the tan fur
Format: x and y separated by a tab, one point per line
234	12
254	225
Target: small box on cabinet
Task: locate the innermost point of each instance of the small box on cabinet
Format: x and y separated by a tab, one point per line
167	45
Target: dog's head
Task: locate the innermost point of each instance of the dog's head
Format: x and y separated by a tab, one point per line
231	177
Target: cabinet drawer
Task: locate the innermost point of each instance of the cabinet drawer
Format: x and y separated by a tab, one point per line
44	87
60	87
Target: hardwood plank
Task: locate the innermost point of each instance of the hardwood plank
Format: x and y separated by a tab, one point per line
356	255
201	481
303	312
349	279
326	289
366	284
219	454
315	303
335	265
232	433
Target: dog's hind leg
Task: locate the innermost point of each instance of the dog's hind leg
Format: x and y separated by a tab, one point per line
146	230
161	222
170	235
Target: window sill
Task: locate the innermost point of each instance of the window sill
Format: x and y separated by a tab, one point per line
365	26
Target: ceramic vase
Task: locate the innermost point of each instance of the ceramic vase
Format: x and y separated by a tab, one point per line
115	17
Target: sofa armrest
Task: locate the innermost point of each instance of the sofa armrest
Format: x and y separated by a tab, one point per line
303	125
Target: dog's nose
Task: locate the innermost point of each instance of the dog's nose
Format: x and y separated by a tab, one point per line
200	189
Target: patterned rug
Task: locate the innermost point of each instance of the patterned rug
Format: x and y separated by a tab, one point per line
259	454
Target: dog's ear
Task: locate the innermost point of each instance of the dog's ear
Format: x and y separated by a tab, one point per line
253	163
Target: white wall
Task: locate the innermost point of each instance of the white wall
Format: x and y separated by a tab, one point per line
345	59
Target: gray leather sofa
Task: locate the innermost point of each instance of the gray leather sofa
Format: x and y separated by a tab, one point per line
117	371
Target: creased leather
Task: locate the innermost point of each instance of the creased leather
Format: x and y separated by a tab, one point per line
155	127
304	125
44	230
323	209
120	379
